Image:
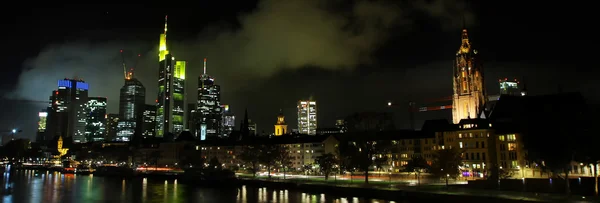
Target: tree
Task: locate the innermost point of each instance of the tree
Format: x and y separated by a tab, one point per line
251	157
326	163
505	173
214	163
362	143
360	150
283	159
380	162
554	117
15	149
446	163
156	155
268	156
417	165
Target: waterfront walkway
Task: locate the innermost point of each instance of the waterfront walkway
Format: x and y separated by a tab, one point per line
436	188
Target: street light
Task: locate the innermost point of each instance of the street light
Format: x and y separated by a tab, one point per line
14	131
389	103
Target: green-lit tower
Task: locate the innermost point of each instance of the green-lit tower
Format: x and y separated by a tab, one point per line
171	90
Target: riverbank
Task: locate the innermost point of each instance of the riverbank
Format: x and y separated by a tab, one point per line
414	194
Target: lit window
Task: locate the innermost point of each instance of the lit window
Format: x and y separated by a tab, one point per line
460	144
501	137
512	146
511	137
404	155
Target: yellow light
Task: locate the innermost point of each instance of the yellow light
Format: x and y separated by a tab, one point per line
162	47
180	70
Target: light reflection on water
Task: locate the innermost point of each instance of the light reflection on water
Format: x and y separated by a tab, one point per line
27	186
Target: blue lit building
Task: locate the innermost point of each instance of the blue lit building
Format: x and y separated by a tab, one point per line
67	111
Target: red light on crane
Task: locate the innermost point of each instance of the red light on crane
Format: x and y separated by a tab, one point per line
121	50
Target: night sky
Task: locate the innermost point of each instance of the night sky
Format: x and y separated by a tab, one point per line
350	56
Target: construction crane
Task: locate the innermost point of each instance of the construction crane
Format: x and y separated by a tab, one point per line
128	75
413	107
124	66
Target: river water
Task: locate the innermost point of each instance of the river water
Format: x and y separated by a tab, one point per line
48	187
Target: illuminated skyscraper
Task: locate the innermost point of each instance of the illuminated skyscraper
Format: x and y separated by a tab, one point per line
40	134
209	110
469	93
67	113
131	109
95	128
171	90
510	87
112	121
307	117
149	125
228	121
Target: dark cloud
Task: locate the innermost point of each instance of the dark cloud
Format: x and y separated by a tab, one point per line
260	63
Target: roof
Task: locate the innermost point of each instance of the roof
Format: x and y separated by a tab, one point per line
436	125
384	135
515	107
514	113
284	139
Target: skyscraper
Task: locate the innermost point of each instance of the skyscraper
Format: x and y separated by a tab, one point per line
131	109
112	121
228	121
95	128
209	111
190	118
469	93
307	117
149	125
67	113
509	87
171	90
40	134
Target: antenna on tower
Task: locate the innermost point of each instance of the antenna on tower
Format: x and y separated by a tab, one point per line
166	24
204	66
124	66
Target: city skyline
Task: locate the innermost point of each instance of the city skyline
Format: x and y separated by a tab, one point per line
430	72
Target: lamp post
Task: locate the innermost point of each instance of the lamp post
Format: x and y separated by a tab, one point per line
447	176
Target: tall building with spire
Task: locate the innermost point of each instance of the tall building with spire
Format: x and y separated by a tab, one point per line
469	93
209	112
170	105
280	125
